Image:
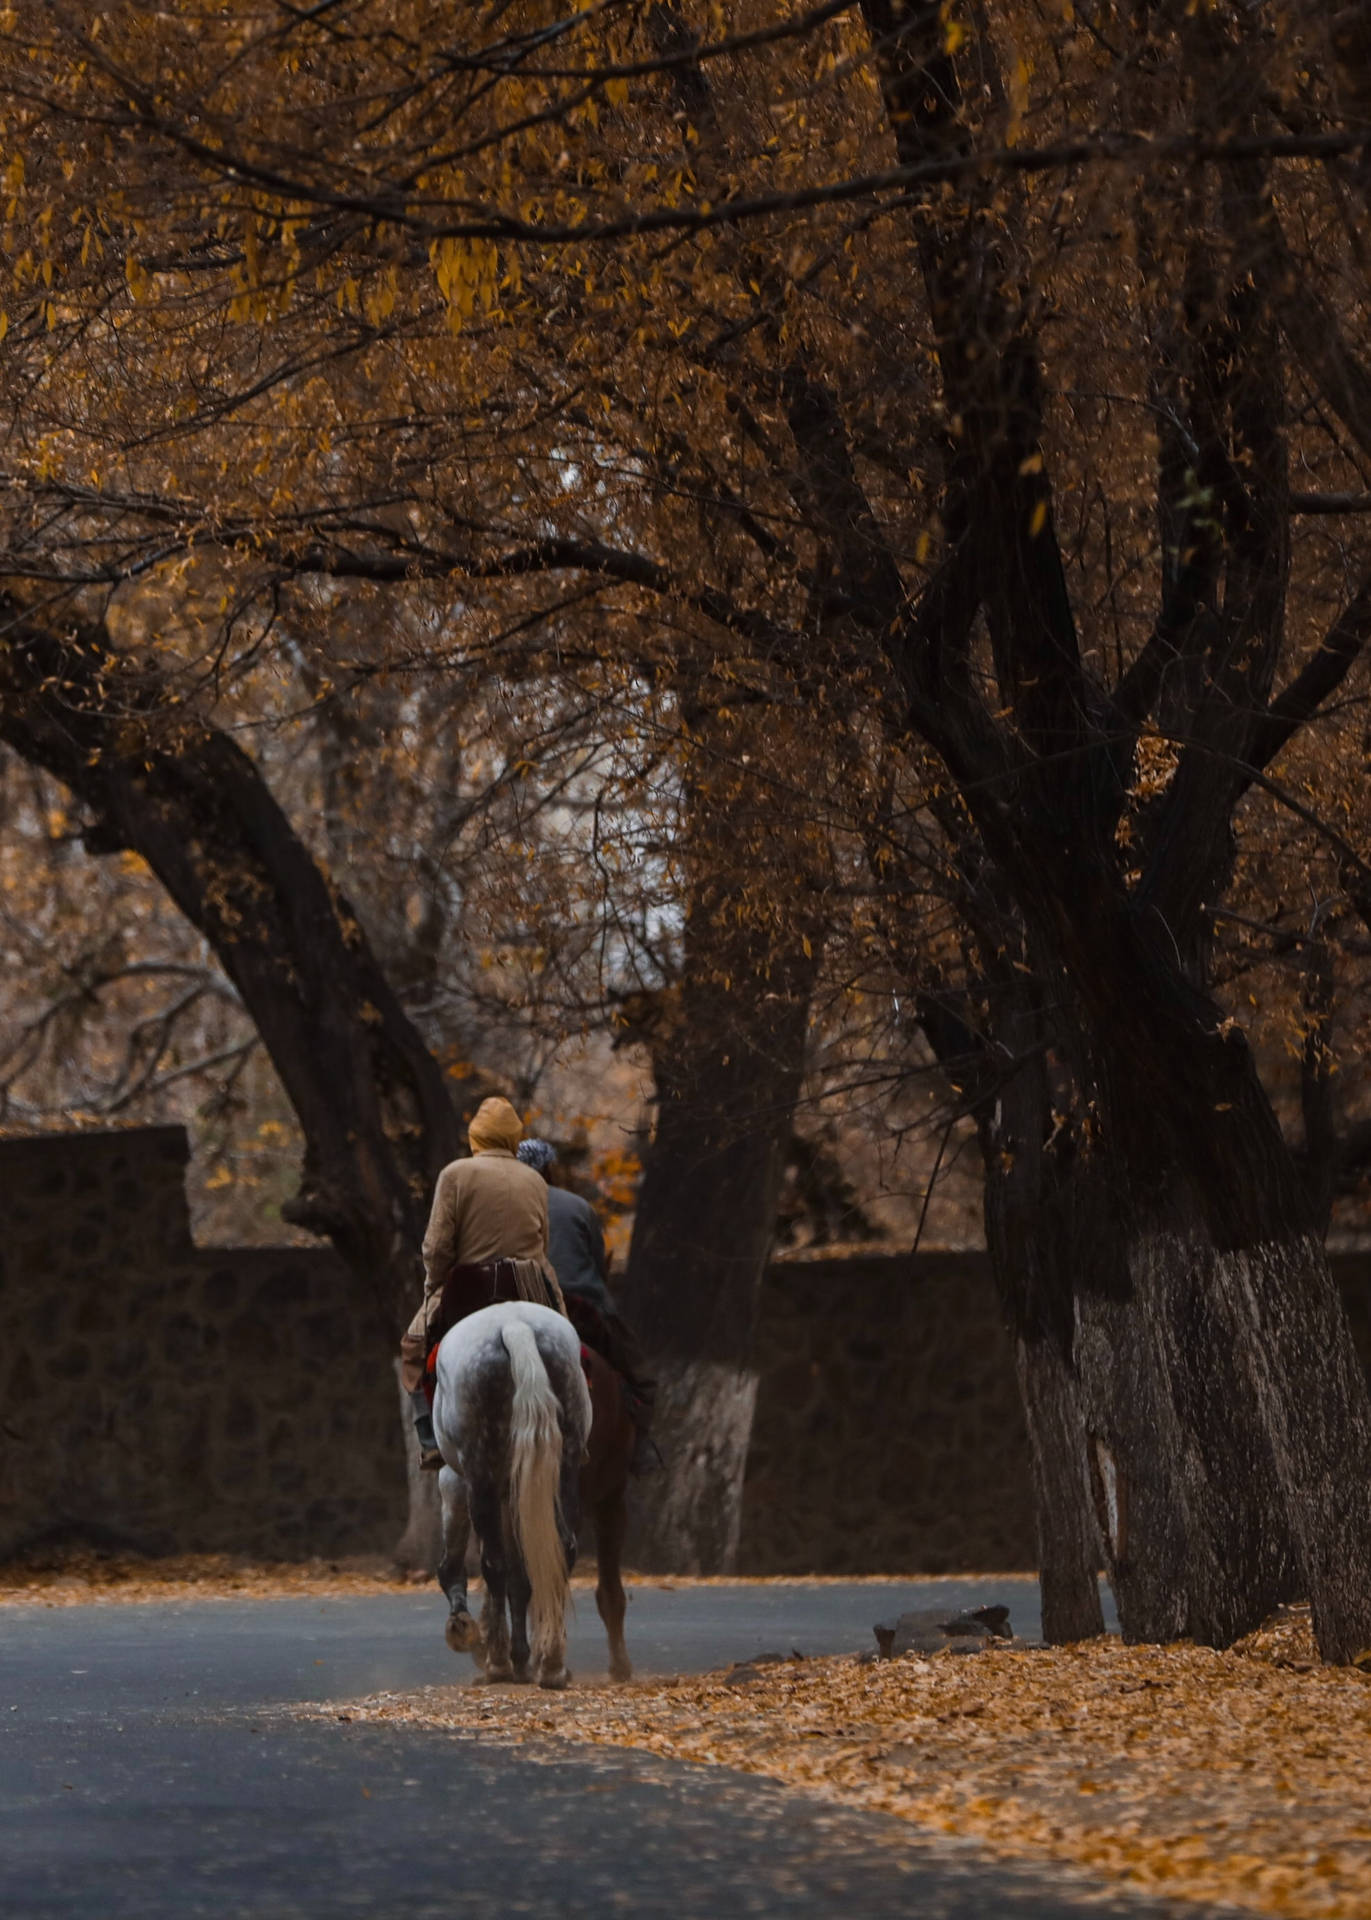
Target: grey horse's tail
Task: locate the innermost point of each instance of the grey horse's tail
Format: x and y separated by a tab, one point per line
535	1433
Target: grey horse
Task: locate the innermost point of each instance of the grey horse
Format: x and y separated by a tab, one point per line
512	1415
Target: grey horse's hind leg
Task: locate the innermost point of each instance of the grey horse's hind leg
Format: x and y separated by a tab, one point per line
520	1593
569	1503
461	1633
485	1503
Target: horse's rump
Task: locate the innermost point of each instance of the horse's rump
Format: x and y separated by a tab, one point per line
471	1286
473	1358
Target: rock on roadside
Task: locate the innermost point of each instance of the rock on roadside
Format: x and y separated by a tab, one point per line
938	1630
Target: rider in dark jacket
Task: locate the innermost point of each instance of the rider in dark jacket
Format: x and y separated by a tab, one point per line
576	1248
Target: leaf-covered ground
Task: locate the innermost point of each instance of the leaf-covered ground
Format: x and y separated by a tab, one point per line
1239	1777
1236	1777
79	1576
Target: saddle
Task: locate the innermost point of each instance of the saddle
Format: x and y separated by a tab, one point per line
468	1287
590	1326
594	1332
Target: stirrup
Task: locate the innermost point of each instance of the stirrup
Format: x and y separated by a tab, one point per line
429	1457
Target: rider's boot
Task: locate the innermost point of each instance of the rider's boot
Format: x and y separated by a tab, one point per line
429	1457
647	1455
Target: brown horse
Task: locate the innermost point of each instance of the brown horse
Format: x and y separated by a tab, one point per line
600	1493
604	1490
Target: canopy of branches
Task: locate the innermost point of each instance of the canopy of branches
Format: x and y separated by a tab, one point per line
829	461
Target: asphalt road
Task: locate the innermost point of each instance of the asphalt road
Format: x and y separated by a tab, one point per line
145	1775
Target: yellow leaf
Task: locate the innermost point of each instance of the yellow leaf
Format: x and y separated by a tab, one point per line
1038	520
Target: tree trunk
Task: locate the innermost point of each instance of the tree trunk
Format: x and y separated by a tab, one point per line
728	1051
1262	1411
1033	1190
1226	1425
370	1098
1247	1415
1227	1417
730	1063
1128	1459
1147	1444
1032	1181
420	1546
1069	1551
1097	1412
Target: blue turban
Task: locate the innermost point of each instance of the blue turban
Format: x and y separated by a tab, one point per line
538	1154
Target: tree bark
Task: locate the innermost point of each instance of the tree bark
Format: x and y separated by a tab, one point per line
1147	1448
1227	1420
729	1065
1262	1408
1129	1448
1031	1191
1032	1262
420	1546
1069	1550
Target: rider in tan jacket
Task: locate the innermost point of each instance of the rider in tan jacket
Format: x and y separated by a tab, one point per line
484	1209
486	1241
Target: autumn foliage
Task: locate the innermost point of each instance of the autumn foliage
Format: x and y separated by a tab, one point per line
822	545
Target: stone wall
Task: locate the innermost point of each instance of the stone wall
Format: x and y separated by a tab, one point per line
238	1399
165	1396
888	1435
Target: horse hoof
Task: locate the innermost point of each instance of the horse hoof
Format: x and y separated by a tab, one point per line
620	1671
522	1677
461	1632
496	1676
555	1682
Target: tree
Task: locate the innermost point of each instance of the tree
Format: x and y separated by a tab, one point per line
728	1047
836	312
370	1097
